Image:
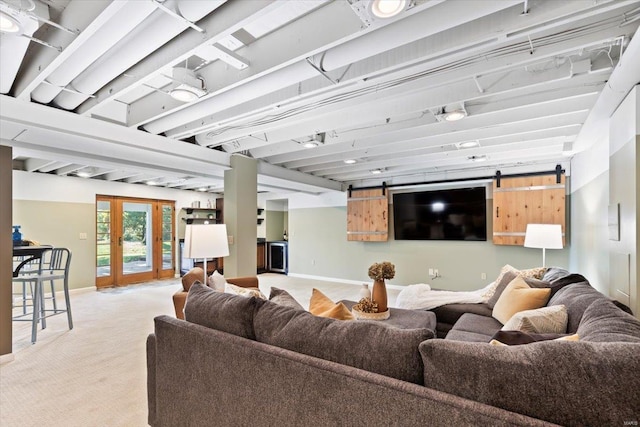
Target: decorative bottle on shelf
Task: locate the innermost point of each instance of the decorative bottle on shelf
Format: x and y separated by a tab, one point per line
284	235
17	235
364	291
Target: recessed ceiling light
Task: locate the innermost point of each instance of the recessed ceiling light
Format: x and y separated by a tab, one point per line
468	144
310	144
8	24
190	86
185	93
152	183
350	161
387	8
376	171
202	189
83	174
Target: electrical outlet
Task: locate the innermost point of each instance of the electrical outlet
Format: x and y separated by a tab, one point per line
83	236
230	240
435	273
483	276
431	272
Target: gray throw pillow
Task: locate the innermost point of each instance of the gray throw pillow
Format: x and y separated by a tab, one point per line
225	312
602	321
367	345
564	382
282	297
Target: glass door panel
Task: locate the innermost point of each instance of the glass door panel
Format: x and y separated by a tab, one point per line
103	238
137	239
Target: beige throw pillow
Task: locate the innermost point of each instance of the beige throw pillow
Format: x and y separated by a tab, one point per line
545	320
518	296
534	273
321	305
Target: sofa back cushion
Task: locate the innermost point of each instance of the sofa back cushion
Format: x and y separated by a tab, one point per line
225	312
564	382
602	321
576	298
362	344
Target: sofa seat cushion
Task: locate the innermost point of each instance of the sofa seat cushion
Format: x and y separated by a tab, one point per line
478	324
576	298
459	335
362	344
602	321
564	382
217	310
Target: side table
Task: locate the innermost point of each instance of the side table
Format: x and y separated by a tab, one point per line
403	319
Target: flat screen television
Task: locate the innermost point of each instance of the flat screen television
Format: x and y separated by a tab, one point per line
455	214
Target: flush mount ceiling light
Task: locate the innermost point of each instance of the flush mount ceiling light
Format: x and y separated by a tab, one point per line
8	24
190	87
387	8
467	144
377	171
373	12
350	161
152	183
313	140
451	113
85	173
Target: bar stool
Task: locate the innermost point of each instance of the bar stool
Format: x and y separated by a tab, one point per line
54	265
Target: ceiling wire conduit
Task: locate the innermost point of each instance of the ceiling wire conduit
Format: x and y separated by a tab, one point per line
506	51
125	21
396	34
147	37
212	123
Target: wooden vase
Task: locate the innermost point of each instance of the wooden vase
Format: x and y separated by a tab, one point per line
379	295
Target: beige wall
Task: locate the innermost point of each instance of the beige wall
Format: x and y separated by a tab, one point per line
275	225
318	246
60	224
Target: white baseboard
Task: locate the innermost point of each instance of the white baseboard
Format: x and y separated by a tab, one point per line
6	358
346	281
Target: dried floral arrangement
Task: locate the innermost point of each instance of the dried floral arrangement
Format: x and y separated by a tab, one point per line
366	305
382	270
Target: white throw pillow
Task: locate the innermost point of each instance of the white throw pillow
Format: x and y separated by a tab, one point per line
216	281
545	320
245	292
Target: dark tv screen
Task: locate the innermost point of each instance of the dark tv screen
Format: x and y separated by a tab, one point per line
456	214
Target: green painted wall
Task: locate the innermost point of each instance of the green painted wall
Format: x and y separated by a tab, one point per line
318	246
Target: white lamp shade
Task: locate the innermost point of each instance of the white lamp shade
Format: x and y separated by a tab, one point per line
205	241
546	236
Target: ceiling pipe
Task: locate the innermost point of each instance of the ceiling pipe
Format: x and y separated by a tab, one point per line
126	20
420	25
147	37
13	46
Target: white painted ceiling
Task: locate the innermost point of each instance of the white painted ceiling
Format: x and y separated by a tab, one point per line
85	88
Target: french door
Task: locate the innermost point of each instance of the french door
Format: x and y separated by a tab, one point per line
134	240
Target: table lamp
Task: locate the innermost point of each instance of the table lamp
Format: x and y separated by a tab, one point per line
205	241
545	236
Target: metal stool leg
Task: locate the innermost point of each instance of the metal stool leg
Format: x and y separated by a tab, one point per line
67	301
36	310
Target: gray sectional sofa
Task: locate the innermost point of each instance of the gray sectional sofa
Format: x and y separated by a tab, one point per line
239	361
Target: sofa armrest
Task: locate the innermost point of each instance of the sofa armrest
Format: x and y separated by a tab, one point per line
244	282
179	300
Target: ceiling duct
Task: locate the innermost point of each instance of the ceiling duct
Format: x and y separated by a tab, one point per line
19	23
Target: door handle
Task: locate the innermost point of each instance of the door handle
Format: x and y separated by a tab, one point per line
120	241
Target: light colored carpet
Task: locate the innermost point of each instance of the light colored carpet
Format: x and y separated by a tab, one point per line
95	374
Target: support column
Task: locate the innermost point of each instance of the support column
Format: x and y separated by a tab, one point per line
240	212
6	252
